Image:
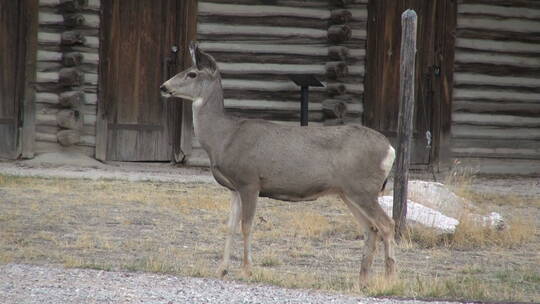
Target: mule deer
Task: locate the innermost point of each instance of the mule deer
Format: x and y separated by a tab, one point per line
255	158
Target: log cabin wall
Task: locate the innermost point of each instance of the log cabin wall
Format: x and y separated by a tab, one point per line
496	108
257	43
66	76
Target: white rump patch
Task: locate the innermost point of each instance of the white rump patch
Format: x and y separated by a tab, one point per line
388	160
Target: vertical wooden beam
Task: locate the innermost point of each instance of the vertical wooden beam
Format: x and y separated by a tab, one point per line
405	118
28	132
101	118
189	32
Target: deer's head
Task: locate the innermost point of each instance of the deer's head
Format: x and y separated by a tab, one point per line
193	82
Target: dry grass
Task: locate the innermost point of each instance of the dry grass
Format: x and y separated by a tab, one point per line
179	229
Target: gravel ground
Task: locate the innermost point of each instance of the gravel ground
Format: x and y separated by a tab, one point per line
36	284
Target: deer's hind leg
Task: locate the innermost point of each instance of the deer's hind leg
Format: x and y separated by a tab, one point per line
371	239
234	220
378	221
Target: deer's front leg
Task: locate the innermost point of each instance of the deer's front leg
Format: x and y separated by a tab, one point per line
249	204
234	219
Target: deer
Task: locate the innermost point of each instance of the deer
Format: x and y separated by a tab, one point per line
256	158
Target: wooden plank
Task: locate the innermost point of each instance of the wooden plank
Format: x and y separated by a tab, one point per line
510	24
505	153
485	119
250	48
482	79
498	46
237	10
255	31
501	11
494	94
497	59
511	108
491	132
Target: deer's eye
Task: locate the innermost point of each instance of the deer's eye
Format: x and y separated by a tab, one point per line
192	74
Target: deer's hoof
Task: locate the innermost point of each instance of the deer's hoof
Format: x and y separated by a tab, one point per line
246	272
222	272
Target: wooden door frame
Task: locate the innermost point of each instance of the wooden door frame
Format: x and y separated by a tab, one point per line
27	135
25	78
441	115
187	16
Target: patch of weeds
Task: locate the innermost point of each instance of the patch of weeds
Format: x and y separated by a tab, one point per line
270	259
78	262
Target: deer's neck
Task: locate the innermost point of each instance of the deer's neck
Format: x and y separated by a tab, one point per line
212	125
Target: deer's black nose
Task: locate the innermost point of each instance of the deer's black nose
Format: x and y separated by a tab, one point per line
164	89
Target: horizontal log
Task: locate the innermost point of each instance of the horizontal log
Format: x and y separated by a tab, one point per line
499	35
359	14
72	38
340	16
336	89
292	95
496	144
65	5
70	119
501	95
72	59
500	11
358	34
482	79
485	119
336	69
46	147
510	24
53	98
340	3
490	132
238	84
498	46
512	108
263	105
68	137
70	77
46	137
297	22
72	99
334	108
274	31
69	20
239	11
250	48
515	153
338	53
280	69
339	33
497	59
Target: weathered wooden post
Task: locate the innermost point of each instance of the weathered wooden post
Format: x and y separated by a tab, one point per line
405	119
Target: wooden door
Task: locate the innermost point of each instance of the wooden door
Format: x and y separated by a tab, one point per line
12	50
434	70
141	48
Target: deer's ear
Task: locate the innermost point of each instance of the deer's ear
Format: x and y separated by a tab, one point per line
193	47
